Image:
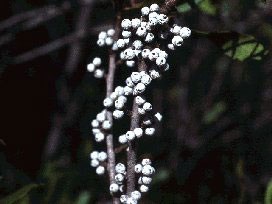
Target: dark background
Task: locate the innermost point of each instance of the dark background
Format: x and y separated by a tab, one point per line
214	145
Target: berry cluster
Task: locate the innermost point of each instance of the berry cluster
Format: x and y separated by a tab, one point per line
96	159
95	67
145	170
106	38
120	170
145	40
100	126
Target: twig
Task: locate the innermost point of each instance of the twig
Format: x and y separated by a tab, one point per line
54	45
109	139
82	24
24	16
109	87
131	152
168	6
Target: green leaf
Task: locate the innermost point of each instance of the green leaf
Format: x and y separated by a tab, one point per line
84	198
213	114
235	45
183	8
161	176
268	193
207	7
20	194
243	48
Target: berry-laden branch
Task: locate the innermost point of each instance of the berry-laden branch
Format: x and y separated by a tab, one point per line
141	48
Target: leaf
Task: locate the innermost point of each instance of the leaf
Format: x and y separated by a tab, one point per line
235	45
84	198
213	114
268	193
20	194
204	6
246	47
161	176
207	7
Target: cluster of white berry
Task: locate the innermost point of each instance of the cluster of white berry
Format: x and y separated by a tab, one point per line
144	40
179	33
100	126
145	170
106	38
95	67
147	127
96	158
120	173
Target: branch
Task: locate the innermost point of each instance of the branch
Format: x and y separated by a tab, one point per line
109	87
54	45
131	153
168	6
24	16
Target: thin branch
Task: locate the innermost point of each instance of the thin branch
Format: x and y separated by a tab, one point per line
24	16
168	6
131	152
74	54
109	87
54	45
109	139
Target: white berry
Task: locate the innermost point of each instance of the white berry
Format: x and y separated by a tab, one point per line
147	106
108	102
126	24
135	23
135	77
146	162
122	139
185	32
99	73
114	188
94	155
100	170
136	195
150	131
94	163
102	156
130	135
154	7
138	132
97	61
138	168
158	116
177	41
111	32
145	11
120	168
144	188
117	114
106	125
99	137
95	123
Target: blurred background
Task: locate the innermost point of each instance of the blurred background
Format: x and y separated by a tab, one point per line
214	144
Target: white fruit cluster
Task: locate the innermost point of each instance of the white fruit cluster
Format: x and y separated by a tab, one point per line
106	38
96	159
144	41
100	126
120	174
95	68
145	170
